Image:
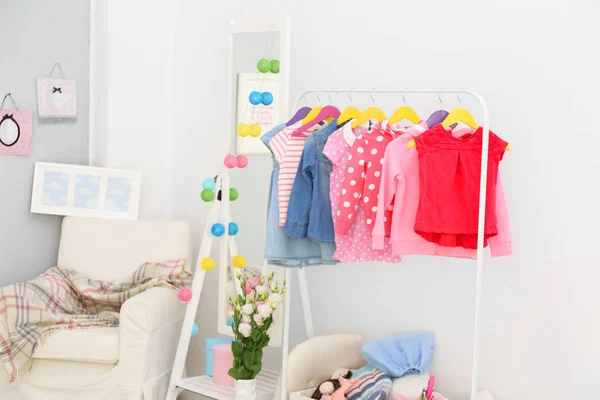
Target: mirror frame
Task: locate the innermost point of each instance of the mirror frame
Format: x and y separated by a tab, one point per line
283	27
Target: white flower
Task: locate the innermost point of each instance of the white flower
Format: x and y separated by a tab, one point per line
260	289
258	319
273	286
248	309
275	298
265	310
245	329
246	318
274	305
230	312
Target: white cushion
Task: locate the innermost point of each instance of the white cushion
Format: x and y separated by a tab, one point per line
112	249
410	385
95	345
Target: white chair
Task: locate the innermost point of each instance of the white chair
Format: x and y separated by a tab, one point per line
132	361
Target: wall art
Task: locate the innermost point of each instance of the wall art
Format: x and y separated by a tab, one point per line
15	129
57	97
63	189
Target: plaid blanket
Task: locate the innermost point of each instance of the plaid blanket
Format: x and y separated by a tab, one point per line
64	299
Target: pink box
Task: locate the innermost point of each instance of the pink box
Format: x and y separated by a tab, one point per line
222	363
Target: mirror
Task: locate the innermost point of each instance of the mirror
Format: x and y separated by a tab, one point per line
250	43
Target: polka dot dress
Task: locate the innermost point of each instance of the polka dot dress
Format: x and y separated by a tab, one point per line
356	244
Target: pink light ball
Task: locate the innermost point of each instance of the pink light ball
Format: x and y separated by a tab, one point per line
185	295
242	161
230	161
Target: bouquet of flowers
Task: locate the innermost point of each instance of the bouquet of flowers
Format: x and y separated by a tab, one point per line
252	314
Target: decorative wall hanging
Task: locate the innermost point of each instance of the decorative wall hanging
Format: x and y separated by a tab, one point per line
15	129
57	97
62	189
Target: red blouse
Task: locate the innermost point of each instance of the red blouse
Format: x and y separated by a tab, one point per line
449	171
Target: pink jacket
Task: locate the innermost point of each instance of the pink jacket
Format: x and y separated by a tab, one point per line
400	187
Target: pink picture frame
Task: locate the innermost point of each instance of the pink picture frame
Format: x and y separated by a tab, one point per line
57	97
15	131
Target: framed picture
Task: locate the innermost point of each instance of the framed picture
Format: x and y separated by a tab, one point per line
57	98
15	129
265	116
63	189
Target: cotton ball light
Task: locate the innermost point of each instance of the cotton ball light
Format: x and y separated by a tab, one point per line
195	329
208	184
233	194
184	295
242	161
255	130
243	130
233	229
230	161
207	195
275	66
255	98
267	98
263	65
239	261
207	264
217	229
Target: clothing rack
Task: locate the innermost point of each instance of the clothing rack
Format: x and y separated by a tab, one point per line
302	283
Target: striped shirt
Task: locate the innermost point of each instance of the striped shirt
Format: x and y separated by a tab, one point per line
288	150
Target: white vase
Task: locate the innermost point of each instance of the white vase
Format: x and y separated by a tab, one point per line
245	389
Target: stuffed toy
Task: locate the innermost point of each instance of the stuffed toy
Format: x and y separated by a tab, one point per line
340	393
329	386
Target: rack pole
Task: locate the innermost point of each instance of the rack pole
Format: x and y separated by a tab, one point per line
480	222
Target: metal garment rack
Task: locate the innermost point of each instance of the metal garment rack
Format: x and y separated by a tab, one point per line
480	231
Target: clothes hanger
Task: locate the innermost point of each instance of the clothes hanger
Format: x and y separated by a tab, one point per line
350	112
300	114
372	112
404	112
314	112
326	112
437	117
457	115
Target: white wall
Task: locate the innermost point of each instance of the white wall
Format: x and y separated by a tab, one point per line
132	87
536	62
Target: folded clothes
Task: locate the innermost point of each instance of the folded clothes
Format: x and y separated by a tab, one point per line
401	355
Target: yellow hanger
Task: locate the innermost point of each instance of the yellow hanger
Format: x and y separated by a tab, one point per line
457	115
460	115
372	112
312	114
404	112
348	114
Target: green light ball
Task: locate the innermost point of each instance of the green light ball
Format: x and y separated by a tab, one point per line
275	66
233	194
207	195
263	65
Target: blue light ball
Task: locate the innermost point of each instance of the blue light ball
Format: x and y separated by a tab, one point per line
255	98
267	98
233	229
217	229
195	330
208	184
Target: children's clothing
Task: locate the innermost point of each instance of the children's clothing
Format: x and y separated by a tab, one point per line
280	249
400	183
287	150
362	178
449	172
309	211
355	246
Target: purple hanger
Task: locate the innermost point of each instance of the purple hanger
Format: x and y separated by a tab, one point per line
437	118
300	114
326	112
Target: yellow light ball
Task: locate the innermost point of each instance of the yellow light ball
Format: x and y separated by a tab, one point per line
243	130
254	130
239	261
208	264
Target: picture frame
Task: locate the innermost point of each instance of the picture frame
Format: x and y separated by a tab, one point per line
78	190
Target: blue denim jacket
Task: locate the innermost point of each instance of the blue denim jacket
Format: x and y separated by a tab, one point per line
309	211
280	249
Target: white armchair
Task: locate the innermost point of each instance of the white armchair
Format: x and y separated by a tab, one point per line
132	361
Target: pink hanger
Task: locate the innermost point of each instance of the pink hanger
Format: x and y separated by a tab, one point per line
326	112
